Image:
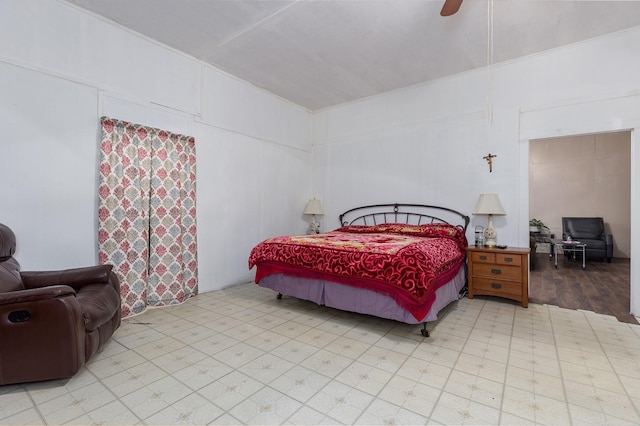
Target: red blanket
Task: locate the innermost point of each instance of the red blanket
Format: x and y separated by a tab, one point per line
405	262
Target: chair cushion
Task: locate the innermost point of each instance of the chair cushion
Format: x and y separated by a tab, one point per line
585	228
7	242
595	244
99	302
10	279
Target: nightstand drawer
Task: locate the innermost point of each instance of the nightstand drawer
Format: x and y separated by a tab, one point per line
497	271
508	259
498	287
483	257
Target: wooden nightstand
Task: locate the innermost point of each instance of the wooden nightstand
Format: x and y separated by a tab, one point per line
499	272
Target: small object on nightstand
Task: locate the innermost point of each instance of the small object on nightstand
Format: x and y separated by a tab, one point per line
501	247
479	236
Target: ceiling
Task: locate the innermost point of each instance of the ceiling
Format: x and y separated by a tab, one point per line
320	53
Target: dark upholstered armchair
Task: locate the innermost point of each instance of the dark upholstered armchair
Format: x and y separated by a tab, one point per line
51	323
589	230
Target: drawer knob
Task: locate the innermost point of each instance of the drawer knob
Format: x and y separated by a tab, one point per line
496	271
508	259
483	257
496	286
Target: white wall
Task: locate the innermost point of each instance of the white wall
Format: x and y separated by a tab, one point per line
62	68
425	144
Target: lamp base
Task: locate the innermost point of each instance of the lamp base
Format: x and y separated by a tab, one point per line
490	235
314	227
490	243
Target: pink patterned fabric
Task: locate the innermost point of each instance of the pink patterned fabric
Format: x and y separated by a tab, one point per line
147	213
405	262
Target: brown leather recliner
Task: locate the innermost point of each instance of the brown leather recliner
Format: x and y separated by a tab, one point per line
52	322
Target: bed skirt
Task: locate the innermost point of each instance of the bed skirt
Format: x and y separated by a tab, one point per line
353	299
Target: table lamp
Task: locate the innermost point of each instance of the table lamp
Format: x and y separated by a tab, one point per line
314	207
490	205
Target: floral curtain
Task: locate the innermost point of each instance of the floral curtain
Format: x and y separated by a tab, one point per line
147	213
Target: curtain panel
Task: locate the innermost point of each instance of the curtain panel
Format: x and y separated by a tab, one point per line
147	213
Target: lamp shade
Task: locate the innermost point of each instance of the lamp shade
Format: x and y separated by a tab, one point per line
489	204
314	207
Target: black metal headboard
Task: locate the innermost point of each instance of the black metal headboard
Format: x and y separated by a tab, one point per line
417	214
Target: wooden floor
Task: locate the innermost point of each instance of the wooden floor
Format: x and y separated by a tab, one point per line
602	288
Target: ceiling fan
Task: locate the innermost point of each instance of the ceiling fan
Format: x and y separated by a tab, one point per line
450	7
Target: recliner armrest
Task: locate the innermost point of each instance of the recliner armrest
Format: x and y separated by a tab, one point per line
74	278
34	294
43	334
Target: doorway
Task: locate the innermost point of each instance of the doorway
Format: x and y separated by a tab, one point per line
584	175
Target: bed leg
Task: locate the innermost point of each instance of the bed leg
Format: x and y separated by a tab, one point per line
279	296
424	330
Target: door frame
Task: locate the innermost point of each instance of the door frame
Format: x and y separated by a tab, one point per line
613	114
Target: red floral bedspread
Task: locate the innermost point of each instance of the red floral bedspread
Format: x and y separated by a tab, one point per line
406	262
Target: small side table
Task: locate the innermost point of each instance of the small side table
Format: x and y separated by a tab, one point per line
499	272
570	247
543	238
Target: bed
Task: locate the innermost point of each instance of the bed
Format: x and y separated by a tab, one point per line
403	262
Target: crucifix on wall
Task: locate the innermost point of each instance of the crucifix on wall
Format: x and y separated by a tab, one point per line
489	159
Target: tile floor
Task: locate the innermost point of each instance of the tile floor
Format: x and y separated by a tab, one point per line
239	356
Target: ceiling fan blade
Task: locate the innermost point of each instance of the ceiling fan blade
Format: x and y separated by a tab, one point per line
450	7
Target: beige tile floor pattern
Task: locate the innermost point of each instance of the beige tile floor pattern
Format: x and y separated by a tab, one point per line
239	356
